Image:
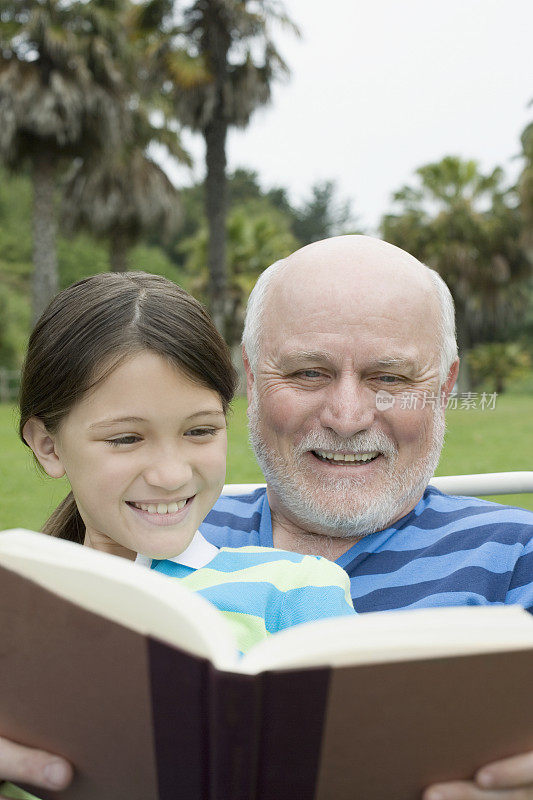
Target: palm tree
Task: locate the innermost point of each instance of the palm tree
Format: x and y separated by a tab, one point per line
525	187
232	40
465	225
257	234
124	194
60	95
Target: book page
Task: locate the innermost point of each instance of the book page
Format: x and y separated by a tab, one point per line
138	598
394	636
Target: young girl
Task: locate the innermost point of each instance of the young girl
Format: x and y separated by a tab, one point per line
125	390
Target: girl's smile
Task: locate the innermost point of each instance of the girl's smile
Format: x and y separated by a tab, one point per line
162	512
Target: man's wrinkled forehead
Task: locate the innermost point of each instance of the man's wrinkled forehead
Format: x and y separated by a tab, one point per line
316	289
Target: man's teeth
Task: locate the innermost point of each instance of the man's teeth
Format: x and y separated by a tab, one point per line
161	508
345	458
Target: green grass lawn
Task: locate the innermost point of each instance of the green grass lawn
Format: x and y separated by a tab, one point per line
477	441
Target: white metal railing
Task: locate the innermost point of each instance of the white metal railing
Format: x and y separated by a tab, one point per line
467	485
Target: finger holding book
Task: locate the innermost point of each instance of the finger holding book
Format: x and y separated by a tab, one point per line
28	765
508	779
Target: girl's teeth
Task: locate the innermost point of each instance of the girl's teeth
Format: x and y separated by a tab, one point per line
162	508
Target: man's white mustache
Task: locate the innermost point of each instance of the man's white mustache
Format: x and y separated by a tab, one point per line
364	442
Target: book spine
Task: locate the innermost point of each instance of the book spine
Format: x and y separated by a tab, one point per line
179	687
235	727
294	712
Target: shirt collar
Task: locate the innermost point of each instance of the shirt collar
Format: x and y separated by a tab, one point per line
198	554
266	536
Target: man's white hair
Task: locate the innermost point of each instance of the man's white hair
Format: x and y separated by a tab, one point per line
251	335
446	323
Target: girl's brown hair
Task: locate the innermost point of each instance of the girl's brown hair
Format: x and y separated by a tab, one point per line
90	328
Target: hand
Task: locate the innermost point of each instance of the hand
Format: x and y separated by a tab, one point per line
509	779
26	765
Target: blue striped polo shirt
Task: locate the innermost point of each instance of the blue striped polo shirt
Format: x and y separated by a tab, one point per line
262	590
447	551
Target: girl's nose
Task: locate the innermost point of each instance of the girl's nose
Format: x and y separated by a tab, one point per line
168	471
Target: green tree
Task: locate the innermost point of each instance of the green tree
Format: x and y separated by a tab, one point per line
124	194
496	363
525	188
60	96
256	238
465	225
243	186
322	215
244	190
525	191
232	39
78	257
8	353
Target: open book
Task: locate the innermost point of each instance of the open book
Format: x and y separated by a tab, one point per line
137	681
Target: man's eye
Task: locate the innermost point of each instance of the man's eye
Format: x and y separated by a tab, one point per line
388	378
310	373
123	440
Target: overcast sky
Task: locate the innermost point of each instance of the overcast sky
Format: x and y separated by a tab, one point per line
380	87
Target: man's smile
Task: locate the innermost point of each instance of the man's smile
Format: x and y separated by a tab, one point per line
345	458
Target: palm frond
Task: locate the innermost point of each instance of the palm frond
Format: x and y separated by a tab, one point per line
131	193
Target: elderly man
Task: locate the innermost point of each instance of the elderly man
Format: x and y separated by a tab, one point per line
350	354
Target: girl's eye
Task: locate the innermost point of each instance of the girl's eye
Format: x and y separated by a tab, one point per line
123	440
201	432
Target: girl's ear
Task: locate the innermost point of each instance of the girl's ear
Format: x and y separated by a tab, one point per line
43	445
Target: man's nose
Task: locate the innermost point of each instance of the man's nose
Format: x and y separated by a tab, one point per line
168	469
350	407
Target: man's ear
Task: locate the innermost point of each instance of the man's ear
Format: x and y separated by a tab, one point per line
43	445
250	378
449	383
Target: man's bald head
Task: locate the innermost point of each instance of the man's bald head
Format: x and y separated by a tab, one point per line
342	268
355	253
